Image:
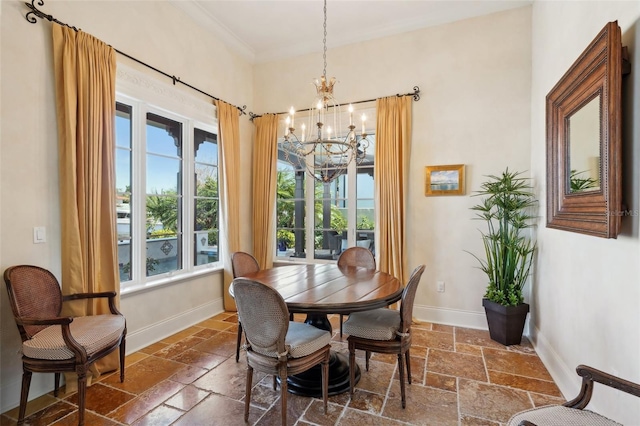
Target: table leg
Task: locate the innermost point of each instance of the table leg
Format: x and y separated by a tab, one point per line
309	383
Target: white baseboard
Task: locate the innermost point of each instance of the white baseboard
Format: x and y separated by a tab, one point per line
162	329
43	383
40	384
564	376
455	317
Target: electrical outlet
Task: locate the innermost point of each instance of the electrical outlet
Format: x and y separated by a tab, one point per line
440	286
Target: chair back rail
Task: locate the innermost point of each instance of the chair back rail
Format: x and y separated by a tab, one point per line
243	263
357	256
265	317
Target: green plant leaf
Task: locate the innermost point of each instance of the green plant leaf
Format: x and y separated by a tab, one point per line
506	209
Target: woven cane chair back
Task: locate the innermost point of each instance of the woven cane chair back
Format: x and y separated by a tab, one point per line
33	293
357	256
265	317
243	264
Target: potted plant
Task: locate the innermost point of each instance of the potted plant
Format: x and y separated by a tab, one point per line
506	210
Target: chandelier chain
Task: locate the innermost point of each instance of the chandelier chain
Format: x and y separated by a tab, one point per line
325	155
324	42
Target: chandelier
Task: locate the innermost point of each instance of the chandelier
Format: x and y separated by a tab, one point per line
323	151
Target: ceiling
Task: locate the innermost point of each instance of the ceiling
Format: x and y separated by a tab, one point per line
267	30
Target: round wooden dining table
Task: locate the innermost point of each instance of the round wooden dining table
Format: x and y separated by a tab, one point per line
321	289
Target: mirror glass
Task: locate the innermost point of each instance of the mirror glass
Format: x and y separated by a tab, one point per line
584	148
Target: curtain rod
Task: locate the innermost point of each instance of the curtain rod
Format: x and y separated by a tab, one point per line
415	94
37	12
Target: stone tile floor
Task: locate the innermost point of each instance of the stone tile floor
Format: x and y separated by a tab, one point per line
459	377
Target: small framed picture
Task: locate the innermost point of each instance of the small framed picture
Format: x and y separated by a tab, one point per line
444	180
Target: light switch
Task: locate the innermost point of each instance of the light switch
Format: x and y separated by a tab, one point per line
39	235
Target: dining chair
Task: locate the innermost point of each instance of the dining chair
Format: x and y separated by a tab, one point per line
276	345
55	344
573	412
386	331
356	256
242	264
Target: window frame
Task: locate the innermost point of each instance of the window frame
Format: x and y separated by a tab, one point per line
147	95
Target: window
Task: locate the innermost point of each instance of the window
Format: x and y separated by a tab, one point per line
317	221
163	168
123	189
206	200
167	223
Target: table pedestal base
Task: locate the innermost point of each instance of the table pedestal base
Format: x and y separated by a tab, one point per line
309	383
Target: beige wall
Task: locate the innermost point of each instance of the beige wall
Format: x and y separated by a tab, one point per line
587	289
156	33
483	84
475	82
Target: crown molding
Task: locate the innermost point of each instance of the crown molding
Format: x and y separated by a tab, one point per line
206	20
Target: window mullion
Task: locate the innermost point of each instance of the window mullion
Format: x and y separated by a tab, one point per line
188	195
138	185
310	222
352	204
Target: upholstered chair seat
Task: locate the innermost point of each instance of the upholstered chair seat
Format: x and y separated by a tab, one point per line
560	415
301	340
92	333
378	324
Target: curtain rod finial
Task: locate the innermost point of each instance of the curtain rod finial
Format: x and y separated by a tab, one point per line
416	93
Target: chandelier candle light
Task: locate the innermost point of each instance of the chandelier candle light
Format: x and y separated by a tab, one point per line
324	153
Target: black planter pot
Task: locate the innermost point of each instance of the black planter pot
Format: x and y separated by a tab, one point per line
506	323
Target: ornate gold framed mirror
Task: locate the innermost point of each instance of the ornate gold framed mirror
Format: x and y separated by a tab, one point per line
584	126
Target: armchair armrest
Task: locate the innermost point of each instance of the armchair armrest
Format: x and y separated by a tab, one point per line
589	376
48	321
77	296
109	294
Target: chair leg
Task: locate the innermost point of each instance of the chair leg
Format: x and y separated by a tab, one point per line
82	393
283	396
408	362
367	356
122	356
247	397
239	341
352	369
341	318
56	384
325	382
24	395
401	371
275	382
